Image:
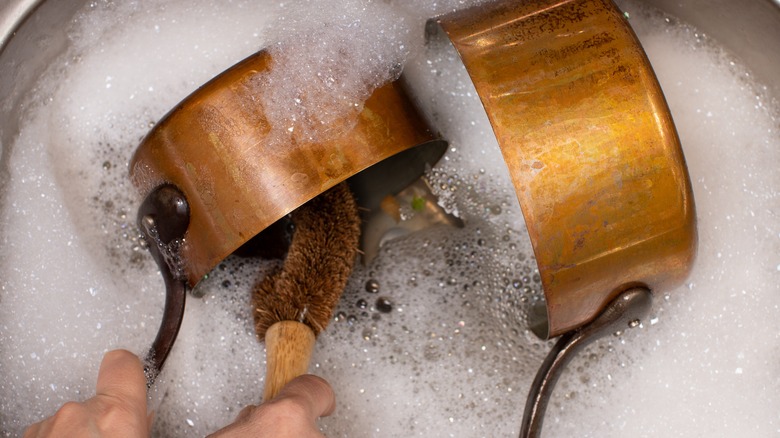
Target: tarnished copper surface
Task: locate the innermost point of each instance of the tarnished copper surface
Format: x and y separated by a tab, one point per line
590	145
214	146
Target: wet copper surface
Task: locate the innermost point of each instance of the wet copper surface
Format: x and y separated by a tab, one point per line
216	146
590	145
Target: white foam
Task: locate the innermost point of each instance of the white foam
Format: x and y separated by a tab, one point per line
452	357
317	49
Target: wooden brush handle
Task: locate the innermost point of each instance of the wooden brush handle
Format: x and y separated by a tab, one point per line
288	347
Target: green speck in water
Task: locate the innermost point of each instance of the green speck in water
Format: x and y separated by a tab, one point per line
418	203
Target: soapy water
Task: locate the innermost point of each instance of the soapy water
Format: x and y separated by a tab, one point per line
431	338
334	89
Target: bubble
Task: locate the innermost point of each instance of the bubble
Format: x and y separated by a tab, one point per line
384	305
372	286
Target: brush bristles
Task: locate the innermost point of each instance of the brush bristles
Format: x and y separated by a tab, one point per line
318	264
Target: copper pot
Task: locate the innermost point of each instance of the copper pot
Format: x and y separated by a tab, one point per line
595	161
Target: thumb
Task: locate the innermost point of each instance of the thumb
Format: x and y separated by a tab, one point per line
312	393
121	377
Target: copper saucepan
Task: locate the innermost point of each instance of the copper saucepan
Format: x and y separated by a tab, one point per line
214	178
594	158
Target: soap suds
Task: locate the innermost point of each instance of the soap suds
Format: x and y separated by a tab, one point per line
431	338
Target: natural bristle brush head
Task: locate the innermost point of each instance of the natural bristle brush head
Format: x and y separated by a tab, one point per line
318	264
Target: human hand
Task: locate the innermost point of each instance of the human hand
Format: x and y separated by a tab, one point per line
117	410
291	414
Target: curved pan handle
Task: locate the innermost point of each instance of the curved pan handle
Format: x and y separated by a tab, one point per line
163	218
624	311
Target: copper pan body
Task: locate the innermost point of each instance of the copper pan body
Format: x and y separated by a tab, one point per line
590	145
214	146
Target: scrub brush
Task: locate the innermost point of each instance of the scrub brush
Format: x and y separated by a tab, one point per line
295	303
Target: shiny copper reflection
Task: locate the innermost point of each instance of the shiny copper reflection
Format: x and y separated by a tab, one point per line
590	145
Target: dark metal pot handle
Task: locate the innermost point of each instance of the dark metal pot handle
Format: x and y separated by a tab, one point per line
623	312
163	219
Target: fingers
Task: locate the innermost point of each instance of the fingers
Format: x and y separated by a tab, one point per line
122	376
291	414
117	410
119	406
312	393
